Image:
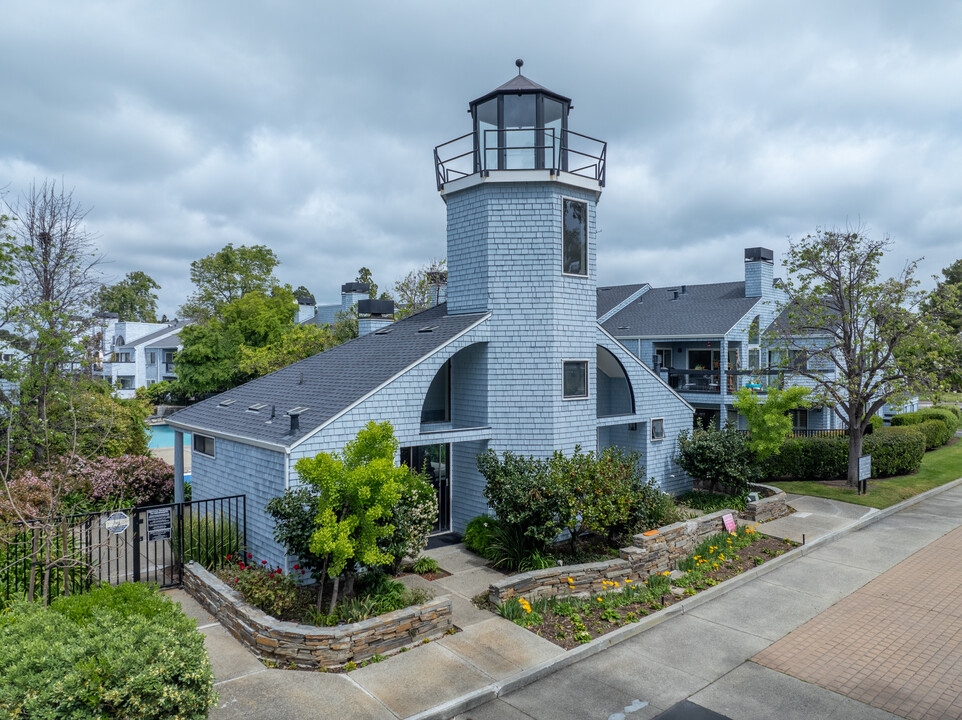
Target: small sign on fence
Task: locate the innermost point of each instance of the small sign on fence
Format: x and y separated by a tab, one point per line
159	524
117	523
729	522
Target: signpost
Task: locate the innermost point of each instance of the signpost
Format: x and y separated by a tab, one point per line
117	523
159	524
864	473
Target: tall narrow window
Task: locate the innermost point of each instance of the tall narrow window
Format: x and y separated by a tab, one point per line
575	237
575	378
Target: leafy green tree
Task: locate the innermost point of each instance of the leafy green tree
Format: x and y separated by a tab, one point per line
302	293
420	289
356	491
211	354
227	275
345	325
364	275
297	343
769	422
133	298
850	325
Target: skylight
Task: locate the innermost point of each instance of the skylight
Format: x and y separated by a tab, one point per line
297	410
256	407
383	331
428	328
225	403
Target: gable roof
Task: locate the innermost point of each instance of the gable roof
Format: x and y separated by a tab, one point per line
324	384
711	309
155	335
610	297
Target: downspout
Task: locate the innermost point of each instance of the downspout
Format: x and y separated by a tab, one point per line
287	486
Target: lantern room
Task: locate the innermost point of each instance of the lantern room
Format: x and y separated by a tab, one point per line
520	125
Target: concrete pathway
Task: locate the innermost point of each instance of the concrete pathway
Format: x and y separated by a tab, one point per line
814	517
704	655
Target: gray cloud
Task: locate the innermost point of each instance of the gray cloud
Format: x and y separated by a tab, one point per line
310	127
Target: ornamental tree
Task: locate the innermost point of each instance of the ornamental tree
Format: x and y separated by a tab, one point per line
849	325
769	422
355	492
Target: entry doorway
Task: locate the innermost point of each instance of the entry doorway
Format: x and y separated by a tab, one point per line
434	462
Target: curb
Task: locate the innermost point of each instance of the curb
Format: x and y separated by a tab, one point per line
485	694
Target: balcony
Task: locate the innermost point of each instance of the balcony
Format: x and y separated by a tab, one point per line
528	148
709	382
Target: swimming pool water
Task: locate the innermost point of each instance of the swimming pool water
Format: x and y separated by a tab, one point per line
162	436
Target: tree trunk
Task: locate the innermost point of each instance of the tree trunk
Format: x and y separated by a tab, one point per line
854	452
349	588
320	590
337	581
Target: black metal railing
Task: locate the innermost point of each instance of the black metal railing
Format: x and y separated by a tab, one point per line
521	149
138	544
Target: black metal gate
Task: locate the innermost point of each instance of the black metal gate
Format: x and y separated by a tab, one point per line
139	544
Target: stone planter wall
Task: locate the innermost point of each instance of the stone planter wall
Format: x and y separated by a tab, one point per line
766	508
648	554
307	646
769	507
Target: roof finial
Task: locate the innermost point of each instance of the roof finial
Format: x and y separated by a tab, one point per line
519	62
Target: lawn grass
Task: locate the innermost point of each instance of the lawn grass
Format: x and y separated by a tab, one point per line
944	397
938	467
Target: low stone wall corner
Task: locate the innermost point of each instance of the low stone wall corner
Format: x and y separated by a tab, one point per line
307	646
766	508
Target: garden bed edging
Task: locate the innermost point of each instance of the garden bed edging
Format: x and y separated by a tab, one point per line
307	646
649	554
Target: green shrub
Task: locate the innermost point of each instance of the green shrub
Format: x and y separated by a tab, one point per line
424	565
651	508
518	490
954	409
266	588
478	534
877	422
207	540
117	652
945	416
512	548
720	457
935	432
895	451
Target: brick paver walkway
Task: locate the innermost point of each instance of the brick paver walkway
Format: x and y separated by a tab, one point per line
896	643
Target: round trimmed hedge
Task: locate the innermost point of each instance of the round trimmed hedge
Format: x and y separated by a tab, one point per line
943	415
116	652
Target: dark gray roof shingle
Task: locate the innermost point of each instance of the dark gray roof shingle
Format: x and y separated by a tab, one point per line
702	310
325	383
610	296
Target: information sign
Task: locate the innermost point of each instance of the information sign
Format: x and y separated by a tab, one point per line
159	524
865	467
729	522
117	523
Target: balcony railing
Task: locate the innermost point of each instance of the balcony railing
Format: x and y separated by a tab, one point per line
521	149
710	381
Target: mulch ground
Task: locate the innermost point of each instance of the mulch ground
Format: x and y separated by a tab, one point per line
567	631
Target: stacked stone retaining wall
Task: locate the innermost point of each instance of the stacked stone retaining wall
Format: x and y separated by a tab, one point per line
648	554
306	646
766	508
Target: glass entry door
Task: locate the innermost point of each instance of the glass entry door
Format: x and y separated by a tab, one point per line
434	462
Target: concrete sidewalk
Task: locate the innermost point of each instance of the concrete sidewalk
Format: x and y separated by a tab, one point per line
685	651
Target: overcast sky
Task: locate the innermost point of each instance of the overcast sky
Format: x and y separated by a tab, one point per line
310	127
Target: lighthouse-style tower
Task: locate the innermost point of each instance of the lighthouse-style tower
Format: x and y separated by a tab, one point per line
521	190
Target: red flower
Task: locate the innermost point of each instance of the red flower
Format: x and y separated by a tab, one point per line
249	555
263	562
228	557
297	567
302	572
242	566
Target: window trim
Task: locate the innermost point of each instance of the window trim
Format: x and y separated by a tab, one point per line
587	237
584	362
206	438
652	422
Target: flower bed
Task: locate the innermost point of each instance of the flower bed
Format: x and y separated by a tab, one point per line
569	620
651	552
291	645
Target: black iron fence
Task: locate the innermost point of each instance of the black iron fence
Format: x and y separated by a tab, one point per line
139	544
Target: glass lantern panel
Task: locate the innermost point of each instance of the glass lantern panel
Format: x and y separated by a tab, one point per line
520	118
553	114
487	114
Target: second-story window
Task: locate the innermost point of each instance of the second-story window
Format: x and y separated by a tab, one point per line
575	379
574	237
